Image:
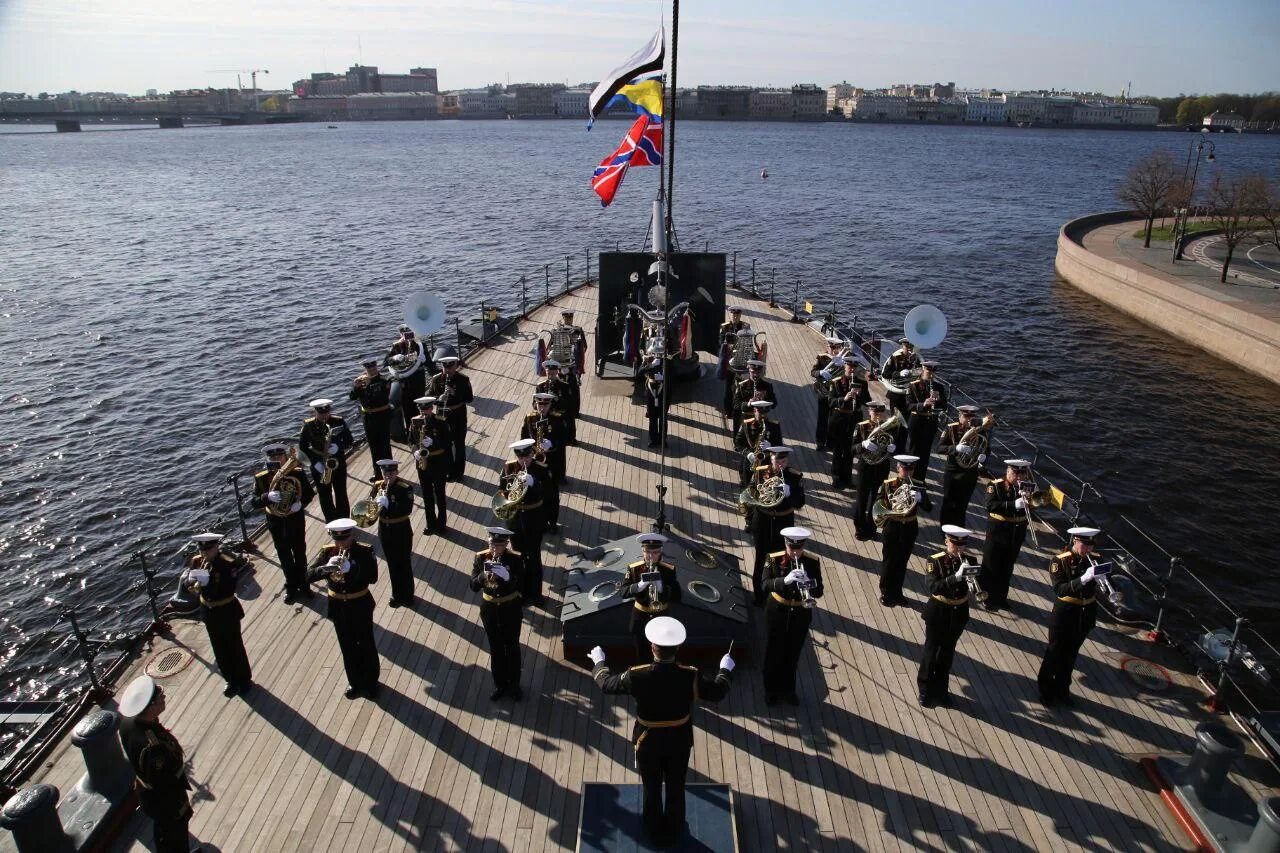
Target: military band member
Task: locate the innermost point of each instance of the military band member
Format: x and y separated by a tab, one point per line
871	475
793	580
1006	531
825	369
568	401
160	771
767	523
373	391
656	404
496	573
898	370
452	390
529	523
900	531
728	338
756	432
964	461
349	568
649	598
413	383
665	692
572	372
283	496
846	400
1074	575
754	387
432	444
926	400
213	574
394	496
551	427
945	615
325	440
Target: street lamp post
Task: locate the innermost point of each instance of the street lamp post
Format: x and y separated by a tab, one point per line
1199	148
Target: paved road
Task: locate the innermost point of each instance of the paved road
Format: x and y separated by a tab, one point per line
1250	265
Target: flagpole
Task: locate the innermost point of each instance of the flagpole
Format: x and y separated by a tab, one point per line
670	129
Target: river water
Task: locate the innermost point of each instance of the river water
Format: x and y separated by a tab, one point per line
171	299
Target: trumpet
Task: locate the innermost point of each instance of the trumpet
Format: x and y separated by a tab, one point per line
1027	491
971	579
647	573
805	586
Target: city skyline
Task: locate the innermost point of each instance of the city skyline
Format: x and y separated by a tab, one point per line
134	45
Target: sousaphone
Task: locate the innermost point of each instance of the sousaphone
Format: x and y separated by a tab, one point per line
424	313
926	327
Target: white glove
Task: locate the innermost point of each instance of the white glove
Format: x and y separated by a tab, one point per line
427	441
919	496
417	454
904	373
959	575
344	566
825	373
274	496
786	490
838	361
546	444
1020	503
501	571
868	445
383	503
751	458
982	457
963	448
795	576
642	586
727	664
596	655
333	449
526	478
319	466
892	447
295	506
201	576
334	561
658	586
1087	576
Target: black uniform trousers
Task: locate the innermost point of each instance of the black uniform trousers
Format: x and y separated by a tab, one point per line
920	443
289	535
353	622
170	813
433	494
943	625
840	439
457	420
223	624
1069	625
898	403
766	535
662	757
899	539
333	497
820	429
786	632
377	432
528	527
999	553
870	478
397	549
957	488
551	501
730	385
639	621
502	627
411	389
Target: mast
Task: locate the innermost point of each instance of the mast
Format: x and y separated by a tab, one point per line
671	125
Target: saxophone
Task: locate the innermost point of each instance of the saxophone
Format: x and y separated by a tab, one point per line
328	460
442	402
424	458
286	485
540	429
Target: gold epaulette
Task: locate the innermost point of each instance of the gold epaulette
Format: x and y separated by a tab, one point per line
953	425
938	555
687	667
761	468
484	552
641	667
1063	555
667	565
781	553
744	381
860	423
377	483
309	420
637	564
365	545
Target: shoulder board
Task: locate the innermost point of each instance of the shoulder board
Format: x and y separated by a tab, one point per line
761	468
667	565
378	482
1063	555
743	381
893	479
781	553
402	483
686	667
483	552
938	556
644	667
365	545
265	472
637	564
955	425
862	423
309	421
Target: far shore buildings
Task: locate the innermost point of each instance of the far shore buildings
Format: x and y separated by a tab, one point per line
1224	121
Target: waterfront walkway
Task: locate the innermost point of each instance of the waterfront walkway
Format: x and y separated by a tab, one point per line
433	764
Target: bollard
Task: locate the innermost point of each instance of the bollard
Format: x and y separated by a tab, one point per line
32	816
108	771
1266	832
1216	749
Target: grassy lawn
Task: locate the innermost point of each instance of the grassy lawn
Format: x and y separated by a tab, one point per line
1166	233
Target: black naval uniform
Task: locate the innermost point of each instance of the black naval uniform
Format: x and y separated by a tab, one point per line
767	525
1006	531
351	611
841	424
568	402
824	403
656	404
287	525
434	465
556	429
748	440
900	360
742	395
160	781
871	477
395	531
500	614
945	615
899	538
922	428
312	442
643	607
374	394
528	526
455	413
665	692
222	615
414	385
787	621
958	482
732	377
1074	613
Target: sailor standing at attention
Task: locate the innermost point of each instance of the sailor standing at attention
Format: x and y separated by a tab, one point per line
657	401
325	439
213	574
964	461
432	445
1007	502
282	494
452	390
663	732
793	580
160	773
496	575
373	391
945	615
650	596
767	522
394	495
1074	576
528	521
902	497
349	568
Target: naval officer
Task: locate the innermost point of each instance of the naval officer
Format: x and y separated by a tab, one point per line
160	773
793	580
1074	575
213	574
349	568
945	615
496	574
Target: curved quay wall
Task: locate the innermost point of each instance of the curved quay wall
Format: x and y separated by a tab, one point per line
1240	337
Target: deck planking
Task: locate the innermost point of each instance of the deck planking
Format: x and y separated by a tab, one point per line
434	765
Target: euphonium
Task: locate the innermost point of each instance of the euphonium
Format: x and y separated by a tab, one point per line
285	485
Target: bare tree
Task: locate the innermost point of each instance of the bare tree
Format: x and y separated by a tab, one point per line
1234	203
1268	233
1147	187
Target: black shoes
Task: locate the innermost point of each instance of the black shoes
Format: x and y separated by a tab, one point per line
925	700
497	694
230	689
290	596
350	692
791	699
515	693
893	600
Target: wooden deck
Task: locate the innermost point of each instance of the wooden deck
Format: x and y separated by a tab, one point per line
433	764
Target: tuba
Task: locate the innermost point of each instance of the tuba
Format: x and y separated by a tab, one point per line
882	436
745	347
901	503
926	327
506	503
562	346
285	485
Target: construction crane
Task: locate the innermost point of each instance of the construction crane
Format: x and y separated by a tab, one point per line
253	78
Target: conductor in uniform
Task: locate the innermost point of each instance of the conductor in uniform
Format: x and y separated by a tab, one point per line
395	507
871	474
900	531
452	390
496	574
349	568
845	401
964	461
1074	575
529	523
657	402
650	597
1007	502
213	574
283	495
325	439
945	615
926	400
160	771
793	580
664	691
373	391
767	523
432	445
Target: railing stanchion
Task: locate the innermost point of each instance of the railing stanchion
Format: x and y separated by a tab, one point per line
546	271
87	652
247	545
1215	702
148	579
524	296
1156	634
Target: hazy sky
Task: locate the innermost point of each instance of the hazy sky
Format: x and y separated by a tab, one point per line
1164	47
